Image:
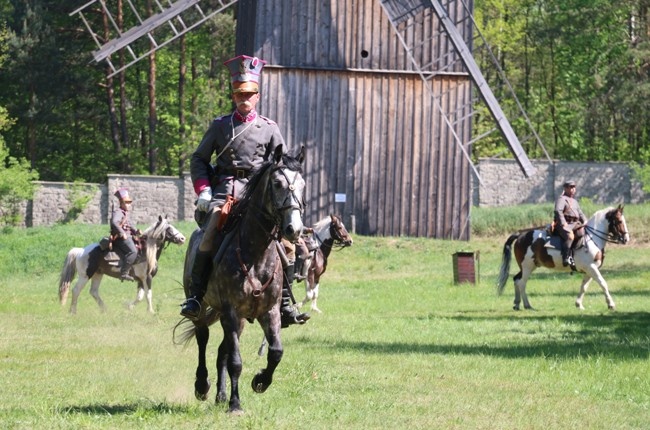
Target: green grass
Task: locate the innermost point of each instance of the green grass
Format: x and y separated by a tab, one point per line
398	345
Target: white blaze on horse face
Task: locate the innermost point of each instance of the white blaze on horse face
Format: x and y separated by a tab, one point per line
626	236
289	189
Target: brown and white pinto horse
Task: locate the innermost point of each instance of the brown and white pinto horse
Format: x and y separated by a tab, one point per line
535	248
328	232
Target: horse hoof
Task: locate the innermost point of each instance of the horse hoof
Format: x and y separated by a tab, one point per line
201	391
515	308
258	385
236	412
221	398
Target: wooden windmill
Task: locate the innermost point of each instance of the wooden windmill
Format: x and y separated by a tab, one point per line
385	94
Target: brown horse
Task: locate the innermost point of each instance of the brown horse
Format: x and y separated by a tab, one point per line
90	264
328	232
247	276
535	248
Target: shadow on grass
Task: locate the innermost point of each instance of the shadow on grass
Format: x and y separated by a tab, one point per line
125	409
618	336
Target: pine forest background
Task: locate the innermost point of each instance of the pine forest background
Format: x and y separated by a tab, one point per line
579	67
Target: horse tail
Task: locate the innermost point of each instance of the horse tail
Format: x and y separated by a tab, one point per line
504	271
187	329
68	273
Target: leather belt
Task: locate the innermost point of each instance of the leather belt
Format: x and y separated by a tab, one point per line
238	173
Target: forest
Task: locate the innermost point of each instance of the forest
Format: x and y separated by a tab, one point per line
579	68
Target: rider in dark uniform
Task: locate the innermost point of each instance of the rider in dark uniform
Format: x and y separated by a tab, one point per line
569	221
122	233
242	142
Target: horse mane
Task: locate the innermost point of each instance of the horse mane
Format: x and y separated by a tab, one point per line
153	234
600	214
240	208
322	227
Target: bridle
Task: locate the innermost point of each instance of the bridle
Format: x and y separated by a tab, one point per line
293	201
335	235
613	233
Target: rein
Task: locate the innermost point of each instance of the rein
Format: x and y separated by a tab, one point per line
606	236
273	232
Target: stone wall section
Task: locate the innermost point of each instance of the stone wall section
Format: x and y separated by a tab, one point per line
153	196
503	184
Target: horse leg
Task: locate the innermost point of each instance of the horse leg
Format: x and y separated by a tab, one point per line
308	295
79	286
314	299
521	279
202	383
147	287
603	284
517	301
94	290
222	371
232	327
583	289
264	377
150	298
139	295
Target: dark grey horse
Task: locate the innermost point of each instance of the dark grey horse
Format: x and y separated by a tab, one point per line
247	274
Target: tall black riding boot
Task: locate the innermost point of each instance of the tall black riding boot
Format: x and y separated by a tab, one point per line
298	269
566	259
125	276
289	314
191	308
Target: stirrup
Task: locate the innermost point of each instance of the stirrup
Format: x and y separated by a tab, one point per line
291	317
191	308
126	277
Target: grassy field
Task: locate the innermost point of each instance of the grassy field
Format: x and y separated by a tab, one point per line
398	345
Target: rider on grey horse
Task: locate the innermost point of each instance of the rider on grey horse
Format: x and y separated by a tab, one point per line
243	141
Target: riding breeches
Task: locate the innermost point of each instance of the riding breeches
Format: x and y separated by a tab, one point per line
126	249
210	230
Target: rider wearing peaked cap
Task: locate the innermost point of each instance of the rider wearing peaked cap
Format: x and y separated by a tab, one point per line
242	142
122	233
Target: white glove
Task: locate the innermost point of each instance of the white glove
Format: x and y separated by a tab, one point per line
203	203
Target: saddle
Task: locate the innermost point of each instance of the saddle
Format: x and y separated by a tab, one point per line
553	240
105	251
310	242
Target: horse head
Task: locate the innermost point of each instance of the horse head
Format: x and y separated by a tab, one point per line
287	188
172	235
617	226
339	233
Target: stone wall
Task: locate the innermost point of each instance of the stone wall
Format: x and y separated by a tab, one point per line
168	196
503	183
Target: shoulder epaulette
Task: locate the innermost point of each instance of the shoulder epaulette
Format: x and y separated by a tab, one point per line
267	120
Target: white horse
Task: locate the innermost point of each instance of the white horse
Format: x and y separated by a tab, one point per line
89	264
535	248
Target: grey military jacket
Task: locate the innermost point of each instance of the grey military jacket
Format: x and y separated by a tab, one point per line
567	211
254	143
